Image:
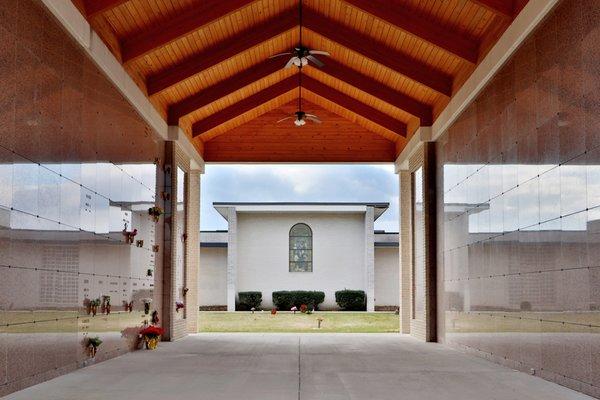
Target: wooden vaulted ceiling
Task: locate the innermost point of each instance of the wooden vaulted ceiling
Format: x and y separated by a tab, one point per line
394	66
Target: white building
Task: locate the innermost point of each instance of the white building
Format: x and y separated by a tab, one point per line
299	246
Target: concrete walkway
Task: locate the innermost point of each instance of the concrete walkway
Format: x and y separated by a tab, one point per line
297	366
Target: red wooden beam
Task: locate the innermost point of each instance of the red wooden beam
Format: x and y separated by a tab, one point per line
97	7
223	88
244	105
451	41
161	34
504	8
379	90
353	105
378	52
222	51
270	66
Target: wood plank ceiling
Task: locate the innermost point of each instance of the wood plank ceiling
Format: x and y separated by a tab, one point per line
394	66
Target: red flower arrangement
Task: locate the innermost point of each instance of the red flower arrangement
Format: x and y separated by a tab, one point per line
152	331
151	335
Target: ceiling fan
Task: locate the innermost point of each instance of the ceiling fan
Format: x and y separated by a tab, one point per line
300	116
302	55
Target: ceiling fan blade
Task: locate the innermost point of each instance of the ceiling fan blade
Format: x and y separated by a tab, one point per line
315	60
279	55
313	118
290	63
321	52
283	119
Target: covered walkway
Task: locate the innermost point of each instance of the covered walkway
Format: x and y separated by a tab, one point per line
297	366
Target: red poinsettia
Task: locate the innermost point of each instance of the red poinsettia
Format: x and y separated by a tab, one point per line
152	331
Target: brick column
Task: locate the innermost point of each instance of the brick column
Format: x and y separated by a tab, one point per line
179	244
192	250
231	259
422	323
405	250
370	257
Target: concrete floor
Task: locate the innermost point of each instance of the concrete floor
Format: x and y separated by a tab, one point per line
297	366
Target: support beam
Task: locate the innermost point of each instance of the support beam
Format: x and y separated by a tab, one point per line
222	51
244	105
351	104
332	68
161	34
422	28
94	8
223	88
379	90
504	8
378	52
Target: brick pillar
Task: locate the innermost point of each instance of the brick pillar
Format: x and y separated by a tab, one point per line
180	245
231	259
192	250
405	250
168	282
370	257
420	323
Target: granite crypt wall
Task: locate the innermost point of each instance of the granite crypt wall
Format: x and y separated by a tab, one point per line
519	209
77	168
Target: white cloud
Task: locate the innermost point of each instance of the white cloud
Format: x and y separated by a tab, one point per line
294	182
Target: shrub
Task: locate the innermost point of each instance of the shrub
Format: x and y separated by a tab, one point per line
249	300
351	300
286	299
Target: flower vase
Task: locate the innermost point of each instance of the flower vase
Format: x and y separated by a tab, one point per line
151	343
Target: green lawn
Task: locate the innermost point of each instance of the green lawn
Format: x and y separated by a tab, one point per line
348	322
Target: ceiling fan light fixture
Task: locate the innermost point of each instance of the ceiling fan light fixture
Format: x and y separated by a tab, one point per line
299	122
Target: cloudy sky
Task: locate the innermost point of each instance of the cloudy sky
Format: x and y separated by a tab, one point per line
288	182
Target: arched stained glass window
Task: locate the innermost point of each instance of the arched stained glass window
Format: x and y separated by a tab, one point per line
301	248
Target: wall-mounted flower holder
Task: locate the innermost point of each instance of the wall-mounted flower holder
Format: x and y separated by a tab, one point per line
184	237
129	235
165	196
94	304
92	346
155	213
147	306
128	306
106	304
156	248
185	290
155	319
179	306
149	272
139	243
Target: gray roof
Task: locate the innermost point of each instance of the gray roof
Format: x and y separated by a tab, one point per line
301	203
379	207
